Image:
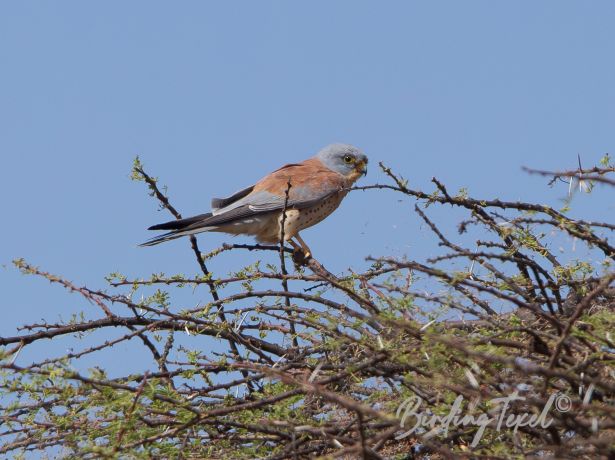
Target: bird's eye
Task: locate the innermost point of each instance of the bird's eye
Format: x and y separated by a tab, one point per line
348	159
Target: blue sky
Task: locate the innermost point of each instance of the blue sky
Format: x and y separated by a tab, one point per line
214	95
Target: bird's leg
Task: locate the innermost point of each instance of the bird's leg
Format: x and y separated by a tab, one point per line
295	246
298	253
306	249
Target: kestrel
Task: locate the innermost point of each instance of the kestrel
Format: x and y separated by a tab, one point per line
317	187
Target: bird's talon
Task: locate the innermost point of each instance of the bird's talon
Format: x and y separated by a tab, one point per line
300	256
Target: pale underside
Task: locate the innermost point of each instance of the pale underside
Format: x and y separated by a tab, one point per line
267	227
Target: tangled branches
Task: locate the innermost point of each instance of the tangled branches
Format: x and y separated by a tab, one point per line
288	364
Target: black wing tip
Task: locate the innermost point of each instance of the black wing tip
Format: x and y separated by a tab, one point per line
180	224
165	226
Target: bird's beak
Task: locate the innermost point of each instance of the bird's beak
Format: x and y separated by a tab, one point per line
362	168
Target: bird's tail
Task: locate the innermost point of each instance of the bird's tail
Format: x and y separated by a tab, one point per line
179	228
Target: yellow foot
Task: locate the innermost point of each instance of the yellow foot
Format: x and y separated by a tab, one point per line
300	257
306	249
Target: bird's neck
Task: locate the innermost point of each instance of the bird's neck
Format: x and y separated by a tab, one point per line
353	177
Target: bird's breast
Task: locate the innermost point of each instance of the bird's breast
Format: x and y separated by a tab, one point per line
315	214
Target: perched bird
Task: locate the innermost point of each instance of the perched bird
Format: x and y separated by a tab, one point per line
309	191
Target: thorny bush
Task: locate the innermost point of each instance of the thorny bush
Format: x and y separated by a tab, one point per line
309	364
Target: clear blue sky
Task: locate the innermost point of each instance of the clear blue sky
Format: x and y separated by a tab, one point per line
213	95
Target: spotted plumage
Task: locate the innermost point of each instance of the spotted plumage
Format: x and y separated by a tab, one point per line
309	191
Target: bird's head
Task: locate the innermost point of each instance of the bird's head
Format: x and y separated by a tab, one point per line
345	159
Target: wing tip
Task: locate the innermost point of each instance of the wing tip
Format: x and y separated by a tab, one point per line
158	226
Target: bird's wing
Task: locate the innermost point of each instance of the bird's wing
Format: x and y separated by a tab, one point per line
306	184
221	205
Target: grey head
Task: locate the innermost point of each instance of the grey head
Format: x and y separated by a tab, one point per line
344	159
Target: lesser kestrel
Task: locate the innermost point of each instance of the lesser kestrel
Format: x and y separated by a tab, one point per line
317	187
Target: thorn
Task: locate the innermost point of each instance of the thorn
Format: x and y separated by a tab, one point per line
278	361
16	354
315	372
472	379
241	322
588	394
